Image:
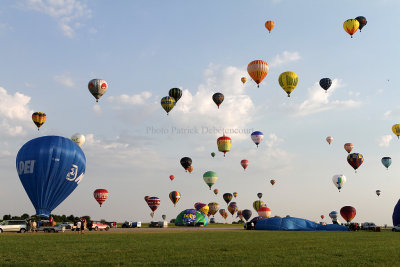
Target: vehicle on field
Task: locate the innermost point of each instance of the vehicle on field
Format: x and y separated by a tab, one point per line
67	225
97	225
370	226
112	224
396	228
52	228
159	224
20	226
131	224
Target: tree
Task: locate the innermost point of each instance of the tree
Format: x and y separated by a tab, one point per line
25	216
7	217
71	218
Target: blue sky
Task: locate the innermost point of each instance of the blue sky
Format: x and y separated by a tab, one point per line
51	49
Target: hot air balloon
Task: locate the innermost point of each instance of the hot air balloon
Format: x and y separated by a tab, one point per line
50	168
355	160
213	208
378	192
176	93
227	197
79	139
362	21
232	208
153	203
244	163
244	80
348	147
288	81
146	198
223	213
97	88
235	194
396	130
171	177
216	191
210	178
258	70
224	144
333	215
258	204
272	182
168	103
269	25
257	137
386	161
212	154
100	195
164	217
325	83
322	217
329	139
264	212
186	162
351	26
246	214
348	213
218	98
190	169
259	195
339	180
202	207
39	118
174	196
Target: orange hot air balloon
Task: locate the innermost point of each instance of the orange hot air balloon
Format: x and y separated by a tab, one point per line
216	191
348	147
269	25
190	169
244	80
244	163
100	195
258	70
39	118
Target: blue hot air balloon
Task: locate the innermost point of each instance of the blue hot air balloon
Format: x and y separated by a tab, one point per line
386	161
257	137
50	168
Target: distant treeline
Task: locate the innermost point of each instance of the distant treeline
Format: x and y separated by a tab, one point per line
57	218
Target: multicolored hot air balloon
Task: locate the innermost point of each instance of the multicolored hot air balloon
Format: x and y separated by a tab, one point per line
174	196
288	81
171	177
355	160
348	213
210	178
223	213
386	161
213	208
259	195
39	118
176	93
216	191
396	130
168	103
232	208
269	25
244	80
339	180
79	139
153	203
186	162
325	83
329	139
246	214
257	137
50	168
362	21
97	88
244	163
235	194
258	204
224	144
190	169
378	192
348	147
227	197
218	98
204	208
258	70
264	212
239	214
212	154
100	195
333	215
351	26
272	182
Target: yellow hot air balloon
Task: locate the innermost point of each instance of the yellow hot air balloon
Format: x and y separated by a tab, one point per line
288	81
168	103
258	204
244	80
257	70
351	26
269	25
39	118
396	130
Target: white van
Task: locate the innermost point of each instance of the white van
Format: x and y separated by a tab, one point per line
13	226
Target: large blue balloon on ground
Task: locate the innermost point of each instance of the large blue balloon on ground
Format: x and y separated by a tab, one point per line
295	224
396	214
50	168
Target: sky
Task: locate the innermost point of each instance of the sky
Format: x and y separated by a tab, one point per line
52	48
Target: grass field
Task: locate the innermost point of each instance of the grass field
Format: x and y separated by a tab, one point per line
180	247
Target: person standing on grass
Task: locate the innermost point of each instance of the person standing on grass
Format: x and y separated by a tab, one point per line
34	224
82	226
78	226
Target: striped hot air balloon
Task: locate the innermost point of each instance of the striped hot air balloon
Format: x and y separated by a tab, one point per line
168	103
210	178
97	88
264	212
258	204
174	196
258	70
100	195
244	163
224	144
39	118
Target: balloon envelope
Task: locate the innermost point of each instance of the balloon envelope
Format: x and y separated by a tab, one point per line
378	192
288	81
246	214
329	139
100	195
97	88
216	191
269	25
386	161
259	195
213	208
244	163
227	197
174	196
355	160
186	162
176	93
79	139
348	147
258	204
339	180
223	213
232	207
325	83
258	70
264	212
39	118
257	137
210	178
168	103
218	98
348	213
224	144
50	168
396	130
351	26
363	21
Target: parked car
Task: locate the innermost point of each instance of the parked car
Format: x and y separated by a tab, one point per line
370	226
14	226
67	225
97	225
131	224
396	228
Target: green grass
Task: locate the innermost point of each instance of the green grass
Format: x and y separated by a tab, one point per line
203	247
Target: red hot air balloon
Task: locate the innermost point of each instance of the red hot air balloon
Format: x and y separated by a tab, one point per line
153	203
349	147
348	213
100	195
171	177
216	191
322	217
244	163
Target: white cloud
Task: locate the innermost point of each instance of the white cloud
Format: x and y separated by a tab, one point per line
65	80
97	109
284	58
384	141
65	12
273	140
137	99
318	100
387	113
